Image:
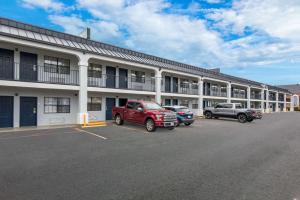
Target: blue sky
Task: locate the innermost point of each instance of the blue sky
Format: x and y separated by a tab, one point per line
254	39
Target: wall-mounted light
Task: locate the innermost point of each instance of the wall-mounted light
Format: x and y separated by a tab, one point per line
16	49
16	94
75	95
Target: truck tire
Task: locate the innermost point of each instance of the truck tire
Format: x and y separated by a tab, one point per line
171	128
249	120
242	118
118	120
187	124
208	115
150	125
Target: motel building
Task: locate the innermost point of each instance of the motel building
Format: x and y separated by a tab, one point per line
52	78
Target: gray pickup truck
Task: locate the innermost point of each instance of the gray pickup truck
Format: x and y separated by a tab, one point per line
231	110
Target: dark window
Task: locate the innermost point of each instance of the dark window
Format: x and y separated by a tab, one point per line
194	106
56	65
130	105
138	76
94	103
94	70
57	105
219	106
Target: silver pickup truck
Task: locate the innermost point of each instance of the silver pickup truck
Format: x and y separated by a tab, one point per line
231	110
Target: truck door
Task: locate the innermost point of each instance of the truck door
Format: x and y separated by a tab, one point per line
138	115
129	111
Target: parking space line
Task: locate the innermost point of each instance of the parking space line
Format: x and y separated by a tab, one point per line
132	129
88	132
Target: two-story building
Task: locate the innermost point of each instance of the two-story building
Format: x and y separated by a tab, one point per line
52	78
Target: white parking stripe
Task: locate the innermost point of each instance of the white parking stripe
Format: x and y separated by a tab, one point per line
99	136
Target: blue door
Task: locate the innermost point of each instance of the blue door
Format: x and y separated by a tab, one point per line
6	111
28	66
110	77
6	64
110	103
28	111
123	78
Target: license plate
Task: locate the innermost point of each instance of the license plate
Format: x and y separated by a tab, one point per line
169	124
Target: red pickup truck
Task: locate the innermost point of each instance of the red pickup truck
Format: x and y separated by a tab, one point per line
147	113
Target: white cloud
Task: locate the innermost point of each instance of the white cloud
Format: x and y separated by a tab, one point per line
267	31
278	18
44	4
73	24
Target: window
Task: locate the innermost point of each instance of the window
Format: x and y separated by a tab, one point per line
194	106
57	105
167	102
227	105
56	65
138	76
94	70
94	103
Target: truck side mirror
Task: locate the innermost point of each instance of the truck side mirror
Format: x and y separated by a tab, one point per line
140	109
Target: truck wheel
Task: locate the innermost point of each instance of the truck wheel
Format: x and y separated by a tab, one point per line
242	118
171	128
150	125
119	120
249	120
187	124
208	115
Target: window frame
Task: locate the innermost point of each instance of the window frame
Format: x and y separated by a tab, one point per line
56	104
54	65
92	106
138	76
92	72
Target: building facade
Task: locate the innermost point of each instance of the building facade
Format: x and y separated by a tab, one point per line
53	78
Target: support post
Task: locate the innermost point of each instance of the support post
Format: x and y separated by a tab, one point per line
267	101
82	96
262	97
248	97
284	103
229	92
200	97
158	78
277	102
292	103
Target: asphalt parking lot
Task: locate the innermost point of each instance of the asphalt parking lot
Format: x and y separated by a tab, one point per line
212	159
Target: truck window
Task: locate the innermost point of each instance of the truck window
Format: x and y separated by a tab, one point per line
219	106
130	105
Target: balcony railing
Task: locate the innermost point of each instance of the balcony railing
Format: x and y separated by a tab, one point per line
217	93
182	89
38	74
239	96
255	96
122	82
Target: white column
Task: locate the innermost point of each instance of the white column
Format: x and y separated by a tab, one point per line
262	97
284	103
277	103
228	92
200	97
82	96
267	101
292	103
249	97
158	78
17	64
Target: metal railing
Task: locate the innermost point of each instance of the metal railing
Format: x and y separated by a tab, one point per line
255	96
38	73
182	89
122	82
